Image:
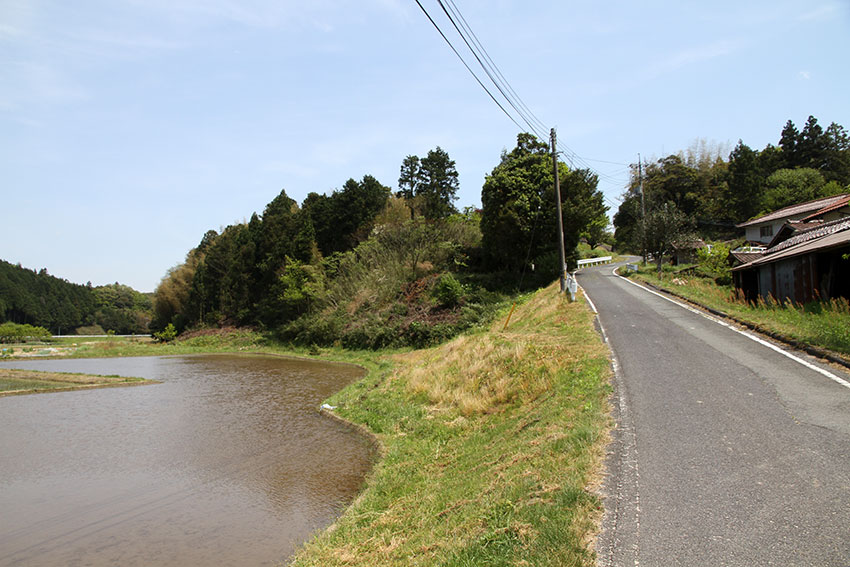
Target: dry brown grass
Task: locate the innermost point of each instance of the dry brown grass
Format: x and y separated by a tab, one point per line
478	373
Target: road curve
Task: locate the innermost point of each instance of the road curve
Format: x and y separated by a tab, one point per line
725	451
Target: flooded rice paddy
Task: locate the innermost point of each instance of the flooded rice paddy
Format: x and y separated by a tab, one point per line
226	462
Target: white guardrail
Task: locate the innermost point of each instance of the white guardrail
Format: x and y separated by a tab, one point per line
594	261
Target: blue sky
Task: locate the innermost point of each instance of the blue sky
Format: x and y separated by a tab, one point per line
128	128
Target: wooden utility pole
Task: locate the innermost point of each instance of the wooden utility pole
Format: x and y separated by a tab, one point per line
642	211
563	270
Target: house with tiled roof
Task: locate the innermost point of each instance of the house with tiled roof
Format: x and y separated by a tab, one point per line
804	262
763	229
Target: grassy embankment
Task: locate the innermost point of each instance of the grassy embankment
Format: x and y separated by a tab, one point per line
492	447
819	324
30	381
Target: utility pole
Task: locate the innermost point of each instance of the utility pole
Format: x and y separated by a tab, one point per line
642	211
563	269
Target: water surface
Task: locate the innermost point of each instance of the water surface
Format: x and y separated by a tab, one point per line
227	462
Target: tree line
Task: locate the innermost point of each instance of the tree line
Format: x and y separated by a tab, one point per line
701	190
29	297
369	266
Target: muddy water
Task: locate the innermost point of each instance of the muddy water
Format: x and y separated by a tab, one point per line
227	462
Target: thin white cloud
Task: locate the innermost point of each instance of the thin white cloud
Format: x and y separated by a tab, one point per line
822	12
804	75
251	13
9	32
696	55
323	15
397	8
671	63
38	82
126	42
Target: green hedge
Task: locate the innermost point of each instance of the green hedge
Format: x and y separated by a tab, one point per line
15	333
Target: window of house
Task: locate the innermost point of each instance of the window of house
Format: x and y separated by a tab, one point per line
766	230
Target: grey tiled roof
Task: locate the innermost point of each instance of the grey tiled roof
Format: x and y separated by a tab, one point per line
799	209
820	231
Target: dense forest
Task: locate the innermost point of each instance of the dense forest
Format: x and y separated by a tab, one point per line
369	267
702	190
35	298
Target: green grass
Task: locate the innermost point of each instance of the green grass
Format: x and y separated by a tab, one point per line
492	445
824	324
13	381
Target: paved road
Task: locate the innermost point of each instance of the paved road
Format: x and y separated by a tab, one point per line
725	452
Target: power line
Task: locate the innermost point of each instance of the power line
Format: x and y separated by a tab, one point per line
491	73
492	64
465	64
608	162
513	100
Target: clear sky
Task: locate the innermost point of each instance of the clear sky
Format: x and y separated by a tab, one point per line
128	128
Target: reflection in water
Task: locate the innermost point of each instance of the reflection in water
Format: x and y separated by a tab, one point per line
227	462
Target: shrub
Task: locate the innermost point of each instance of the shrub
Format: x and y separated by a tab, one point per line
321	328
715	263
448	292
168	334
370	333
15	333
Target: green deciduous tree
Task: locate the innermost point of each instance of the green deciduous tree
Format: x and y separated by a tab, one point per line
584	209
787	187
171	297
514	204
627	220
665	226
519	218
594	234
299	287
672	180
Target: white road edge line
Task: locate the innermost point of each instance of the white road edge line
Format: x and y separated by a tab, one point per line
750	336
627	455
589	302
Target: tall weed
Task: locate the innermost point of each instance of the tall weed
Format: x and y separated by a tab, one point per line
822	323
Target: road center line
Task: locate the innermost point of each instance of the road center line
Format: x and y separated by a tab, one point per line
750	336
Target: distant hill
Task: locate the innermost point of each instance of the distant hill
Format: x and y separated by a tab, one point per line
39	299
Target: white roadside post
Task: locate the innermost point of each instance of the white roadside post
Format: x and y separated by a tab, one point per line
573	286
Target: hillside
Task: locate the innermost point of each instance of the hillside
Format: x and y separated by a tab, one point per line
62	307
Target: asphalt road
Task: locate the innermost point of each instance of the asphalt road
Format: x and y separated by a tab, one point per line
725	451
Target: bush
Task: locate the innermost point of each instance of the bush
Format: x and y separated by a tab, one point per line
715	264
370	333
15	333
321	328
448	292
168	334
